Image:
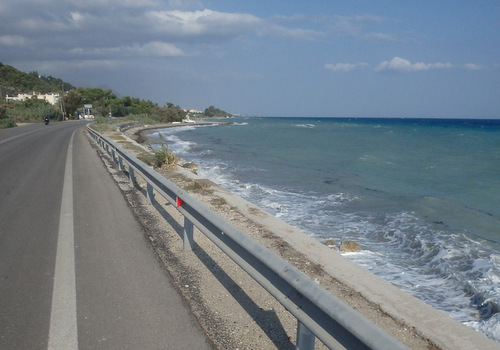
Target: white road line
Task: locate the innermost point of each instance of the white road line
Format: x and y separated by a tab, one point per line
63	332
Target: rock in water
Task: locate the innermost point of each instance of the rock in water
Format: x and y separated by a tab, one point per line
349	247
330	243
190	165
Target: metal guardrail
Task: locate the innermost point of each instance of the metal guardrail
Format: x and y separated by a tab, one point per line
319	313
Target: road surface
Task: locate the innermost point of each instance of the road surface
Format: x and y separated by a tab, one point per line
75	269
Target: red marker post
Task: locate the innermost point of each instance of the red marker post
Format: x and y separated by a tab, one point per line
179	202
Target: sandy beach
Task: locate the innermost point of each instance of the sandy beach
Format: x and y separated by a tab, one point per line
234	310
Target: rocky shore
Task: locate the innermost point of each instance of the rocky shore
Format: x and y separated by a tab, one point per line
234	311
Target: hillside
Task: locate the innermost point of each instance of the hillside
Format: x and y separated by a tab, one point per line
13	81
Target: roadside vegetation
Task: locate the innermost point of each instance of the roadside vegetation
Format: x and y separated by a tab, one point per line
105	103
32	110
163	158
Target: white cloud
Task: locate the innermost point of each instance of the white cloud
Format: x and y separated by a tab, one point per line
201	23
353	25
13	40
157	48
185	4
368	18
292	33
77	18
473	66
151	49
107	3
399	64
381	37
344	67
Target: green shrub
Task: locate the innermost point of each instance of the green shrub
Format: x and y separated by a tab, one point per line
25	112
141	118
163	157
7	123
100	120
3	112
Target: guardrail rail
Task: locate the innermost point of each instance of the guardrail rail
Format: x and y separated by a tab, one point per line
319	313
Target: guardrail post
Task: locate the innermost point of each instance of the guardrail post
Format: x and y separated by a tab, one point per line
150	194
120	162
305	338
113	155
131	176
188	234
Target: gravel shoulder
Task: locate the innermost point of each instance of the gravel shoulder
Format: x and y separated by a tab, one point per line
232	308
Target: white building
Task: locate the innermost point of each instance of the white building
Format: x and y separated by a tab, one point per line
194	111
52	98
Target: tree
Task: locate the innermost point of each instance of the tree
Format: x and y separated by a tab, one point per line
146	107
72	101
98	98
169	114
215	112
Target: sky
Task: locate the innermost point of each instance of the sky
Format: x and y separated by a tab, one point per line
401	58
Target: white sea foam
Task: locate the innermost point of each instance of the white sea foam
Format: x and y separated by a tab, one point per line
401	238
391	252
307	126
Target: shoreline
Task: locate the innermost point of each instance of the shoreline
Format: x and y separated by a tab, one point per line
139	133
415	323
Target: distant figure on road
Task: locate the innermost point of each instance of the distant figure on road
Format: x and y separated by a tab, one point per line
46	119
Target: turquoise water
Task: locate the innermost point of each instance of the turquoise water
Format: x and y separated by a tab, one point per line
422	197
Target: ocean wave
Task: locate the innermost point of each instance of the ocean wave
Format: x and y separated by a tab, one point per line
412	254
420	249
399	247
490	327
177	145
307	126
442	268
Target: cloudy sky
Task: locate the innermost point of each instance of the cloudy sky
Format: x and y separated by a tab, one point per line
399	58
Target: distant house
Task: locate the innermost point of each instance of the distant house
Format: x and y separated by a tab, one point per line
52	98
194	111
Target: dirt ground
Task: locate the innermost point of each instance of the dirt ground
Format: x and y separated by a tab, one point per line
234	311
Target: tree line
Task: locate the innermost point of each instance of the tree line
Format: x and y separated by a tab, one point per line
104	102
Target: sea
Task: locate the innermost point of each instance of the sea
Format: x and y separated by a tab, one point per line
420	196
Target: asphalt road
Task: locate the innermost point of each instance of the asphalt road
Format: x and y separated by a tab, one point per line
75	269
